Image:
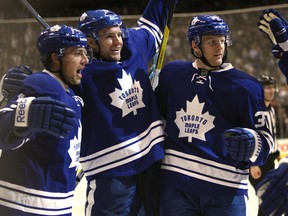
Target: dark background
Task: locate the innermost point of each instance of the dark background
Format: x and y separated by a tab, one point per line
250	52
11	9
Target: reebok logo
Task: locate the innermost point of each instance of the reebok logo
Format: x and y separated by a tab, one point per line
21	114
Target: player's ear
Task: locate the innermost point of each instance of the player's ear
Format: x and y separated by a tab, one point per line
193	45
55	63
54	58
195	49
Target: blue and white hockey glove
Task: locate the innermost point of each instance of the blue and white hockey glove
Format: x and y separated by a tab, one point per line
43	114
240	143
264	23
273	190
12	81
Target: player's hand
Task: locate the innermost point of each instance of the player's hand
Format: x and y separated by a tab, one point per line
43	114
255	172
240	143
264	23
273	191
272	13
12	80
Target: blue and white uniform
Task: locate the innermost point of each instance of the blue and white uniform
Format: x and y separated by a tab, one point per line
123	132
198	106
122	129
38	174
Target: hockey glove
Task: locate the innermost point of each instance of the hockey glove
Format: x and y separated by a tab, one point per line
240	143
273	191
12	81
43	114
264	23
277	51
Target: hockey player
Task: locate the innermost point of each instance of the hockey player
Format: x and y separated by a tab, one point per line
122	129
257	173
273	190
215	126
40	130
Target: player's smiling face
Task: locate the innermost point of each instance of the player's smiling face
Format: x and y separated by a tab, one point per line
73	62
110	43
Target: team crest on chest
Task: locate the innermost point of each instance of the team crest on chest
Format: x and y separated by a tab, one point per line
74	150
130	97
194	123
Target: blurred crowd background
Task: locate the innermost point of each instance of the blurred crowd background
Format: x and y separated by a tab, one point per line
67	8
250	52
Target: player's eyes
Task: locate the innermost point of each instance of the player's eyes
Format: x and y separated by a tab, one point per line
81	52
214	42
114	36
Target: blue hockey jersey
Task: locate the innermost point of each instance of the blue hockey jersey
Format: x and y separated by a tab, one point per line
38	174
198	107
122	129
283	65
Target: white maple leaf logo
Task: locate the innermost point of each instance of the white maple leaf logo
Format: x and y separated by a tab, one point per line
55	28
130	97
193	123
74	150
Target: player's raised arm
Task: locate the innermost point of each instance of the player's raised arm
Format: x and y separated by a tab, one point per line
156	17
273	190
275	26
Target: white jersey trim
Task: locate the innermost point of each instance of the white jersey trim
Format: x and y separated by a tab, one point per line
205	170
153	29
35	201
124	152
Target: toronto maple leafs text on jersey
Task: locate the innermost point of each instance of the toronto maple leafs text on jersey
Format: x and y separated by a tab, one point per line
122	130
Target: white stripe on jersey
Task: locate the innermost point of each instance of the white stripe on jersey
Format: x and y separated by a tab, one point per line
124	152
271	122
153	29
205	170
35	201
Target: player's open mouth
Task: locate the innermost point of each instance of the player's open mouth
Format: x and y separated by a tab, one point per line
78	74
116	51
